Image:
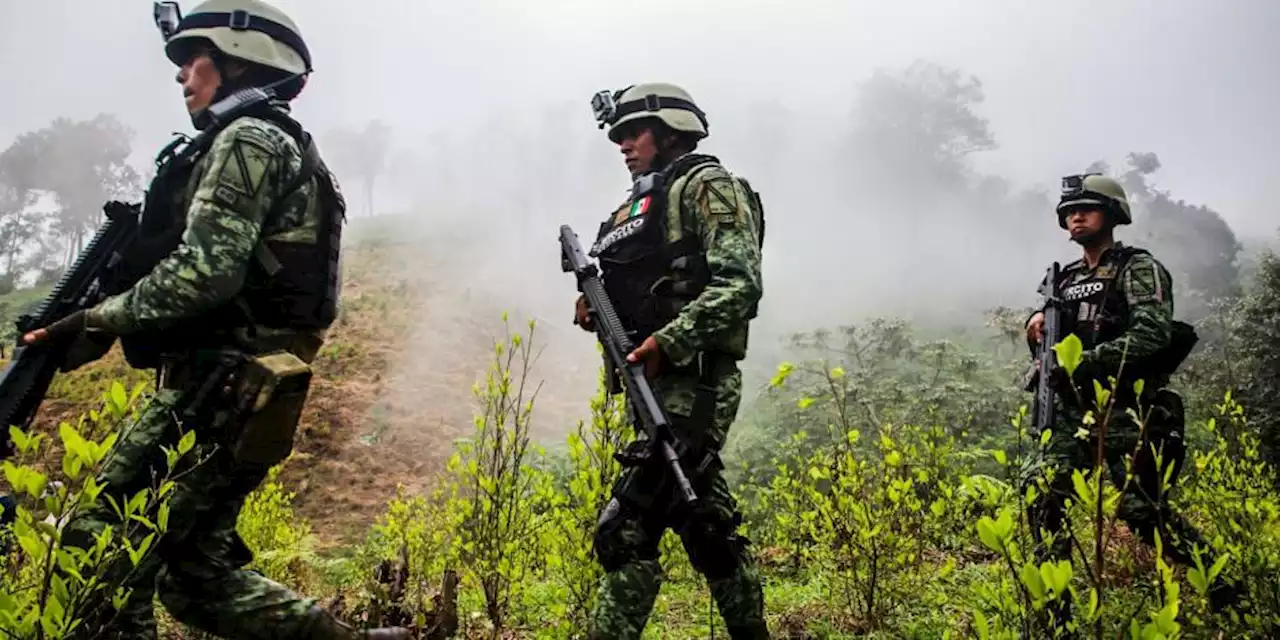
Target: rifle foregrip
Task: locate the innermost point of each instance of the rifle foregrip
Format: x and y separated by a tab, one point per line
606	314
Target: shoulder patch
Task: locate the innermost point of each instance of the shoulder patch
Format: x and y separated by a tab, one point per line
718	198
1142	281
244	156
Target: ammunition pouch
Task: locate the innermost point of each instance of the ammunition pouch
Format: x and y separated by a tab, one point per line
270	391
248	404
646	483
1182	340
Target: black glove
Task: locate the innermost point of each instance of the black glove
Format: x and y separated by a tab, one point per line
86	342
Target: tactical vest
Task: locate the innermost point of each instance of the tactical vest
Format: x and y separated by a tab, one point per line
650	267
1096	311
1094	308
289	285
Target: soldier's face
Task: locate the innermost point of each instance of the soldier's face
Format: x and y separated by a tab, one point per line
639	148
1085	222
199	79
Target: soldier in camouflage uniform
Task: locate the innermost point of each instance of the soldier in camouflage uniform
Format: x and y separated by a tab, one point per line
227	295
681	261
1119	301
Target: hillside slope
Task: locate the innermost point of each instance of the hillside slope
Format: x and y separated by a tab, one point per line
392	385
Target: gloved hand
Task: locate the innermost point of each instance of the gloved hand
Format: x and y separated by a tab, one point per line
75	324
88	343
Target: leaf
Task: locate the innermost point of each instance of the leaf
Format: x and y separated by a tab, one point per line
804	403
984	630
1031	578
186	443
19	438
118	396
1000	456
986	532
780	378
1100	395
1070	352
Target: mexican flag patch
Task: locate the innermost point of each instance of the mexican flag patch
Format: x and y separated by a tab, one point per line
640	207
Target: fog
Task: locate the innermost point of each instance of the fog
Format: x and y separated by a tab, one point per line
494	143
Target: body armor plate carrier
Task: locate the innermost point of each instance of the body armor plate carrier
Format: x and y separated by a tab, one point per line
289	285
649	276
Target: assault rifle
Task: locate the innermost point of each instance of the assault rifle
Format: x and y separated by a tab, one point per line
25	379
617	344
1038	378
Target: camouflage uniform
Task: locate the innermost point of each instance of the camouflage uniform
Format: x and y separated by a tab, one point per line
713	215
231	219
196	565
1143	298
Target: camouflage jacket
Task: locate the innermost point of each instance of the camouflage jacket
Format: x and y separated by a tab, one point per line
715	208
226	199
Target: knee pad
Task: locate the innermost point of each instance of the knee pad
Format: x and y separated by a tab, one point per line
611	544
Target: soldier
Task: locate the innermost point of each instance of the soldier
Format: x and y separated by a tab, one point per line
1119	301
227	295
681	261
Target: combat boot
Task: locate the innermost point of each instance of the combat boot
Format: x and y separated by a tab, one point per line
748	632
1224	596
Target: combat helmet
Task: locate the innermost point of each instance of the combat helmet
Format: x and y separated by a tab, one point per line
1094	189
666	102
250	30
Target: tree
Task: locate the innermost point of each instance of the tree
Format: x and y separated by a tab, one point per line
82	164
362	155
919	124
1193	241
1259	340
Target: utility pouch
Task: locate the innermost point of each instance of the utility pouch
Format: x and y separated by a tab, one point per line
272	389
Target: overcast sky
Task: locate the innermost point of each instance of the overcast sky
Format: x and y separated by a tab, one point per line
1194	81
1066	83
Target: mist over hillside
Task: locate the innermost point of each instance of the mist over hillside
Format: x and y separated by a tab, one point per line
908	156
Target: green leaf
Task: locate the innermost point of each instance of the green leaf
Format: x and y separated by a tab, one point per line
1100	394
780	378
1031	578
1197	579
19	438
984	630
1000	456
986	532
1083	490
187	442
118	396
1070	351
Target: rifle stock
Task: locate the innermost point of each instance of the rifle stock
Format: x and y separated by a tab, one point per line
617	344
25	379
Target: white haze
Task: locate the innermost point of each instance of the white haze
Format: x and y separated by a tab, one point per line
488	104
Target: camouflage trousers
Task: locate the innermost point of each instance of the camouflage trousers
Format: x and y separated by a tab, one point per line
629	532
1143	506
196	566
